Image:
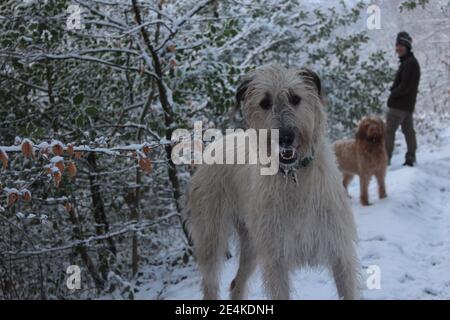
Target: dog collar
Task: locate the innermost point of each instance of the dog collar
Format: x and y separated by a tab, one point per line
303	163
307	161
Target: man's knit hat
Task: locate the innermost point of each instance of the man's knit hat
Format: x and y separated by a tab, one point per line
405	39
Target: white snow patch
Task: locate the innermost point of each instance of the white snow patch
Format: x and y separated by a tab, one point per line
11	190
56	142
56	159
406	235
42	146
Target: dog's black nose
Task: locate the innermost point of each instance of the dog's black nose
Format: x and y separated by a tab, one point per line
287	137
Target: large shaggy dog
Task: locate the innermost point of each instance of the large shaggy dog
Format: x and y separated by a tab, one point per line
364	156
281	222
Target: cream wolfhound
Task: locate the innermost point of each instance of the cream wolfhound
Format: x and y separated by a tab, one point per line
298	217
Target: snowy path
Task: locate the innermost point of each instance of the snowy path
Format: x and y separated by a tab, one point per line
407	235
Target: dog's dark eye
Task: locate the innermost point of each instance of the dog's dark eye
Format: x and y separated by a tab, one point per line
266	103
295	99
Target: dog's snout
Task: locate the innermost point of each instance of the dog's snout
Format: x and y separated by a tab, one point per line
374	131
287	137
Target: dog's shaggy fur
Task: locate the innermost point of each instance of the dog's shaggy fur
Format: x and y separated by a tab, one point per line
364	156
281	224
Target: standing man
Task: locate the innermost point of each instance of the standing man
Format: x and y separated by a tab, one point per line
402	100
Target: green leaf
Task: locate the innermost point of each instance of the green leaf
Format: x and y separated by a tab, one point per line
80	120
92	111
78	99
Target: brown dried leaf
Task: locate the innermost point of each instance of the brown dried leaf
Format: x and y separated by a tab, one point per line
26	196
172	63
68	207
78	155
57	178
70	150
4	158
60	166
12	198
71	169
146	149
171	48
27	148
57	150
145	164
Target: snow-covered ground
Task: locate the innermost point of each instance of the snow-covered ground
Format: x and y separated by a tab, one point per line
407	235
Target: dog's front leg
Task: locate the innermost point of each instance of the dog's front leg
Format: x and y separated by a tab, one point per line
344	272
276	278
268	229
247	264
364	181
381	183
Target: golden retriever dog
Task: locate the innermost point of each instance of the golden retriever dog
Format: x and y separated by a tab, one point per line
364	156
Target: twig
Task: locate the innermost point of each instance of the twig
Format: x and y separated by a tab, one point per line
131	226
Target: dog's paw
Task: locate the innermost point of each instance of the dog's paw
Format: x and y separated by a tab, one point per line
383	196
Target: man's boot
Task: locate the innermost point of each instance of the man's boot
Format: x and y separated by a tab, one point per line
408	163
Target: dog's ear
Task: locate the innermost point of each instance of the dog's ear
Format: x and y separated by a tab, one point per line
312	77
382	124
240	94
361	130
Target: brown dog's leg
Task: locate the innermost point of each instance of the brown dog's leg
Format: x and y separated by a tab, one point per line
380	175
364	181
347	179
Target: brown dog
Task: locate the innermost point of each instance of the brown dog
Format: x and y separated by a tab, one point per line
364	156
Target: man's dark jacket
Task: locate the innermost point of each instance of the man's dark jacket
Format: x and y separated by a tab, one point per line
404	91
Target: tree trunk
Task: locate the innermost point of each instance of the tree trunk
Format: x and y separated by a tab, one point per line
99	214
168	116
81	249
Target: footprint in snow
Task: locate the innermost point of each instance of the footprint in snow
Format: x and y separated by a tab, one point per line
406	278
371	256
435	261
375	238
431	292
436	244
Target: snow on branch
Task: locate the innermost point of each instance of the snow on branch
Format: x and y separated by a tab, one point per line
112	151
132	226
177	24
74	56
61	158
138	28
